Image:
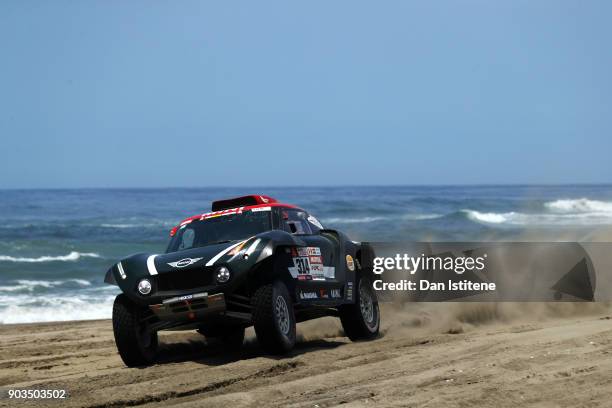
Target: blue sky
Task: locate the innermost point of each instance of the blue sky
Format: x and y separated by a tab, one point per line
202	93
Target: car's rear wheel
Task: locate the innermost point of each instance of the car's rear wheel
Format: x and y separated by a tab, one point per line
361	320
137	346
274	318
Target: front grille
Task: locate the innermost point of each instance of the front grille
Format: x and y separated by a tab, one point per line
187	279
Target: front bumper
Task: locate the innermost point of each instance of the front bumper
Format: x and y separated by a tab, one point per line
190	307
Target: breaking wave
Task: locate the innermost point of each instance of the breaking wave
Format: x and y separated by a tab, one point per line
559	212
29	286
581	205
354	220
56	308
369	219
72	256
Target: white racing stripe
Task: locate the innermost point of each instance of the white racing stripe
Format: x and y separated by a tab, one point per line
252	247
220	254
151	264
121	271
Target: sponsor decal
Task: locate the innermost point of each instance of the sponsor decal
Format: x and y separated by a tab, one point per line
184	262
308	295
317	269
263	199
315	259
302	264
349	290
308	251
335	293
186	297
323	293
257	209
308	261
221	213
350	263
304	277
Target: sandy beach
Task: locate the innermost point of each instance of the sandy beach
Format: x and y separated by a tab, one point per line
536	361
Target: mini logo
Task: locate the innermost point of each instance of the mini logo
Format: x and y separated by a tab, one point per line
183	262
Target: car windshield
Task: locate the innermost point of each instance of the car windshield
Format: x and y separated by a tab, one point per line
220	228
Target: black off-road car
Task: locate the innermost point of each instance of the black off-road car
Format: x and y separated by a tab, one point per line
251	261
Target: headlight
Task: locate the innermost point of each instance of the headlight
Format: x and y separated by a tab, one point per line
223	274
144	287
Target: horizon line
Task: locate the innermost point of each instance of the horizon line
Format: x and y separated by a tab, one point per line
608	184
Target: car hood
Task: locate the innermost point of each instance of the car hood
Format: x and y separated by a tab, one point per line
130	270
195	258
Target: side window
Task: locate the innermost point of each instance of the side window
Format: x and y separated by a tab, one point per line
315	225
295	222
187	239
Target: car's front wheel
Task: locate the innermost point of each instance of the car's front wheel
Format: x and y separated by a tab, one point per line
137	346
361	320
274	318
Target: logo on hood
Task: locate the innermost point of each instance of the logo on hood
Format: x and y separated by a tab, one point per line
184	262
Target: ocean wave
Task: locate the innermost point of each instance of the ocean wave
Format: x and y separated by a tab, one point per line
157	224
81	224
368	219
542	219
580	205
56	308
72	256
488	217
26	285
353	220
419	217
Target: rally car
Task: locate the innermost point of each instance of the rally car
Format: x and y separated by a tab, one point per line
251	261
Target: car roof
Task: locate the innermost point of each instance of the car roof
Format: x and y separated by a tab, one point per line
270	202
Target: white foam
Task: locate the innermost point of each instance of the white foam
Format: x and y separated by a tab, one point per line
151	223
581	205
57	309
541	219
71	257
32	285
356	220
567	212
419	217
489	217
368	219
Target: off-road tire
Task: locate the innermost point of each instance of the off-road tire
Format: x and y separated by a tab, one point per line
136	346
274	318
360	324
